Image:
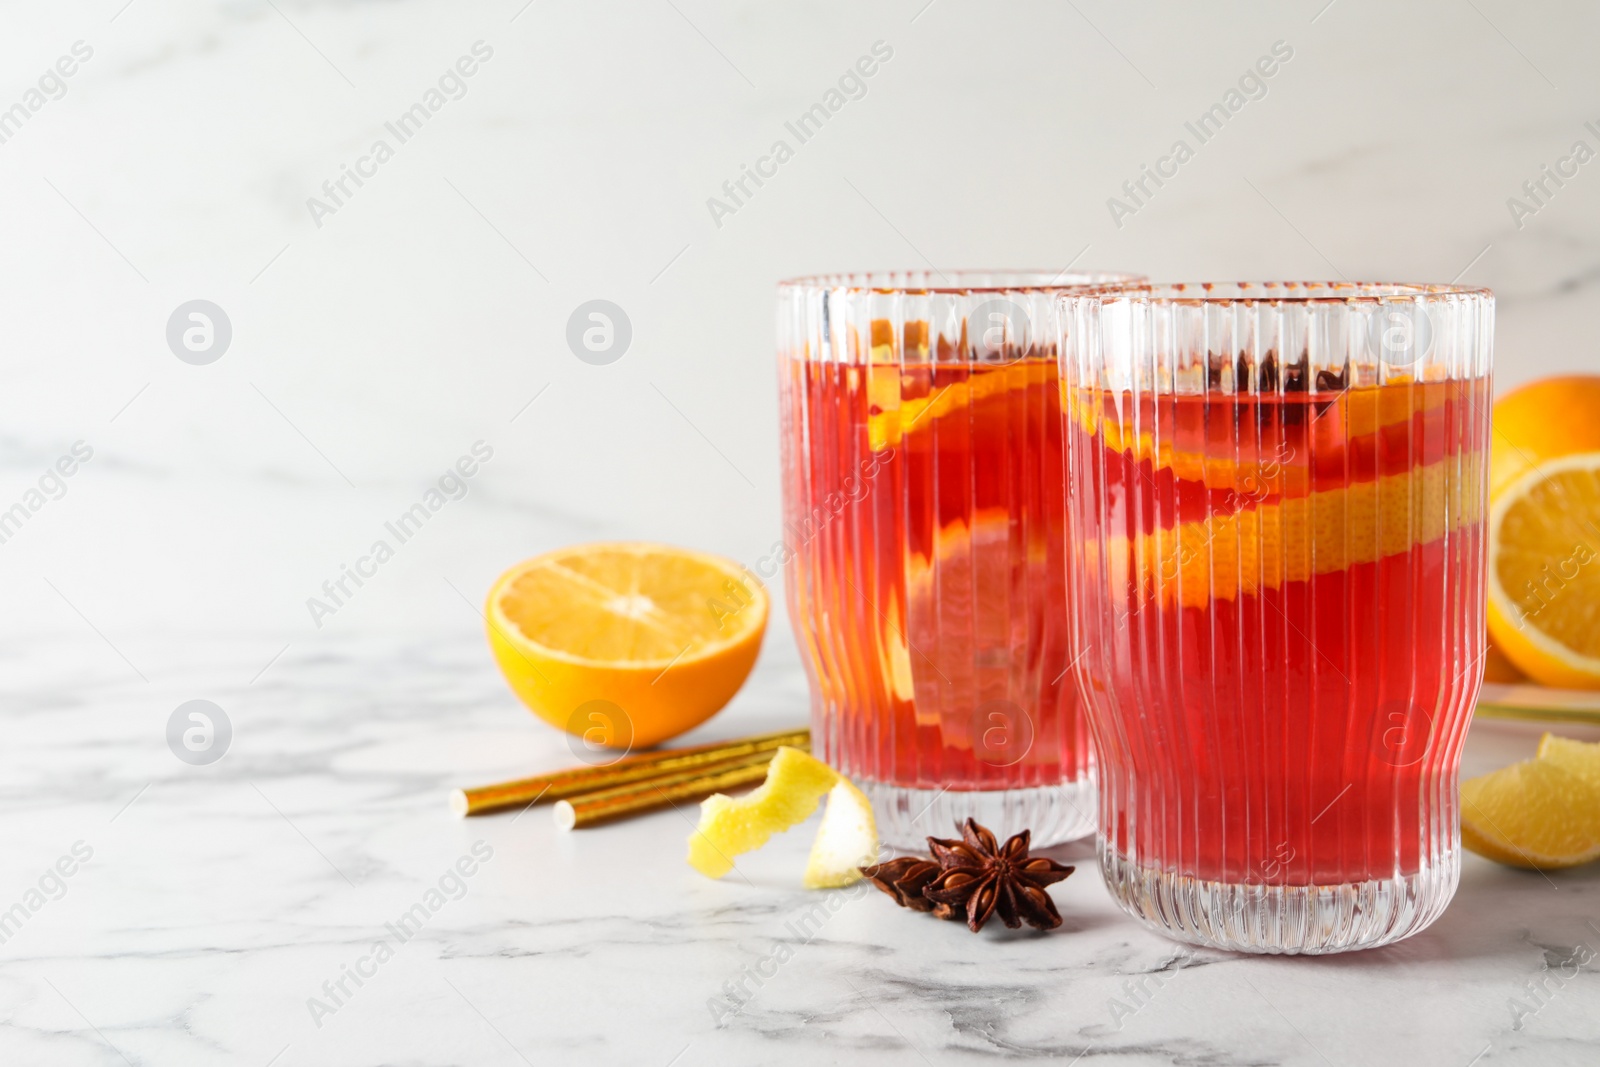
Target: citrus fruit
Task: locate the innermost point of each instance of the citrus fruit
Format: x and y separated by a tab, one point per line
796	783
892	415
1544	571
1536	814
1541	421
1579	757
626	644
1345	417
1496	668
1268	543
846	841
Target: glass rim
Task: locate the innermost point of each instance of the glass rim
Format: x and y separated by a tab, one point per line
978	280
1283	292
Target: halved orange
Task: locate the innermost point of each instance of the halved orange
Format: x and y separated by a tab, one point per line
1541	421
626	644
1497	668
1544	571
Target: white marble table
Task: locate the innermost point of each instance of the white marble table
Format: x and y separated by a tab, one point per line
219	899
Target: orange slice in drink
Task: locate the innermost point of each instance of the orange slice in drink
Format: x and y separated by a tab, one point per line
1339	420
626	644
1262	546
1544	571
892	414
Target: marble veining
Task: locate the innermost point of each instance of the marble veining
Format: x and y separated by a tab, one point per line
223	904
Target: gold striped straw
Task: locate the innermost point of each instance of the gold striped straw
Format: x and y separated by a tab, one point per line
650	795
577	781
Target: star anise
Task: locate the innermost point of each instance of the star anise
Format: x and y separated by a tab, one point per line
984	878
904	879
974	878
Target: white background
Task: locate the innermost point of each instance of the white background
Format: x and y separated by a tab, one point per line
416	321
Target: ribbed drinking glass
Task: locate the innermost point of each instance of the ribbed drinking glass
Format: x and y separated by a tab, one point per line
924	509
1276	530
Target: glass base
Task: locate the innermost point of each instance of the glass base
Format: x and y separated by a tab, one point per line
1309	920
908	817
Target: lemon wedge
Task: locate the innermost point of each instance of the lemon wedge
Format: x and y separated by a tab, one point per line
846	841
795	785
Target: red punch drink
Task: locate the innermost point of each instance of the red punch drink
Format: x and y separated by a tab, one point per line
1280	584
924	508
